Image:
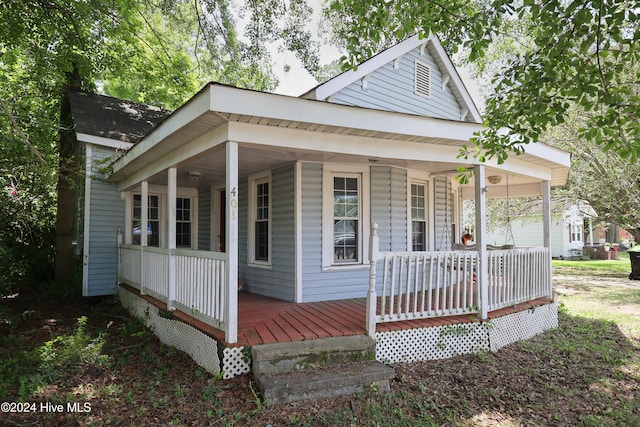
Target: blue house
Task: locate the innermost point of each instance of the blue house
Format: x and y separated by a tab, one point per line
336	213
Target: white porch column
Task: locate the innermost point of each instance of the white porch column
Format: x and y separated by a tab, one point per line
144	223
481	240
372	297
231	244
172	183
546	227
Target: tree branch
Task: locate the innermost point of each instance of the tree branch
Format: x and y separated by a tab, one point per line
21	134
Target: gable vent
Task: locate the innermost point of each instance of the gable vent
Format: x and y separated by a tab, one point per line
423	79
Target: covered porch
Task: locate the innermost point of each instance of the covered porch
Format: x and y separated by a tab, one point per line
223	154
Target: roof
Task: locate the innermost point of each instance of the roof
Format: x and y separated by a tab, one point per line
113	118
325	90
307	129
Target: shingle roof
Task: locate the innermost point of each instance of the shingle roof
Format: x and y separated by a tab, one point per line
113	118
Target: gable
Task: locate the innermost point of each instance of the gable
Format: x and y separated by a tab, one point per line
413	85
415	76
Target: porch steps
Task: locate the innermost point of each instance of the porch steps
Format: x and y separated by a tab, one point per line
313	369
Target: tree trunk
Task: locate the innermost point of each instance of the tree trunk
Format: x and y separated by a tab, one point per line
66	209
635	232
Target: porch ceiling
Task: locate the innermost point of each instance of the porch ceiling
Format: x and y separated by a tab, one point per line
273	130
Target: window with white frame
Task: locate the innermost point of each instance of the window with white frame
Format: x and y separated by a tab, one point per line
153	220
575	232
346	219
183	222
418	217
260	219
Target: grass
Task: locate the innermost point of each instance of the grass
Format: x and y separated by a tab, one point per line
585	373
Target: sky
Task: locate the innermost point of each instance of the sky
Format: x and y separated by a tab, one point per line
297	80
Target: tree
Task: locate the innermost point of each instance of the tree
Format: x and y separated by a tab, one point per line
153	51
603	178
575	52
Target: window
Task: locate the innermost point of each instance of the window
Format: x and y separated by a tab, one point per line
422	83
262	222
153	220
183	222
260	219
575	232
418	217
346	219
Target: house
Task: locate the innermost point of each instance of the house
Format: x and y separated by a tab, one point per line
568	235
336	212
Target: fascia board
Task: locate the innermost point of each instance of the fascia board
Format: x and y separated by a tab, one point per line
102	141
225	99
194	108
370	147
192	149
457	81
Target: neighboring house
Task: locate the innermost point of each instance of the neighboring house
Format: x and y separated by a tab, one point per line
567	231
292	197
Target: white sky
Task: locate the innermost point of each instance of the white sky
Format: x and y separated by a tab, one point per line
297	80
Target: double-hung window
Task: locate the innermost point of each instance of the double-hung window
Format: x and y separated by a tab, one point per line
260	219
575	232
183	222
418	217
153	220
346	219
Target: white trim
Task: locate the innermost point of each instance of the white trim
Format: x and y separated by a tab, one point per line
175	155
419	178
87	220
231	244
329	170
104	142
253	181
297	189
372	147
161	191
445	81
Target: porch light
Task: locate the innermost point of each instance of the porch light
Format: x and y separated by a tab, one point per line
494	179
195	175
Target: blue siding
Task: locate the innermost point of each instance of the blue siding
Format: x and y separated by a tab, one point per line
107	215
388	209
389	206
204	220
278	281
391	90
443	214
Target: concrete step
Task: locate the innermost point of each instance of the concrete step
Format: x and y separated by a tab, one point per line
269	359
326	382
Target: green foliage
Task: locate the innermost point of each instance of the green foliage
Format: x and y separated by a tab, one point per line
157	52
30	371
556	55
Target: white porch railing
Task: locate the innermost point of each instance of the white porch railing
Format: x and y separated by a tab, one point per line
200	279
517	276
419	285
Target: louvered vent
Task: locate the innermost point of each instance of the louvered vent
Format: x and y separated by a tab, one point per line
423	79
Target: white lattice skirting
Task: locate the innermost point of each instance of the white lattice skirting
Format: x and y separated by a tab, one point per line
442	342
202	348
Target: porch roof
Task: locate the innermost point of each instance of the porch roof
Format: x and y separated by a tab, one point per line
275	128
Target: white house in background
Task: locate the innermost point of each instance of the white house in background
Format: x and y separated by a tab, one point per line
567	231
281	194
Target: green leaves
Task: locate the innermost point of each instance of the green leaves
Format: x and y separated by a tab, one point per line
542	58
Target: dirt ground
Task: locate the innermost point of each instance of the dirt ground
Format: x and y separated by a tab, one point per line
145	383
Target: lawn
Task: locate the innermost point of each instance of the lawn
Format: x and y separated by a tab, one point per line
104	368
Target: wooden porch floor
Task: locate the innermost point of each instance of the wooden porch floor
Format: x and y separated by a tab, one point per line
263	320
